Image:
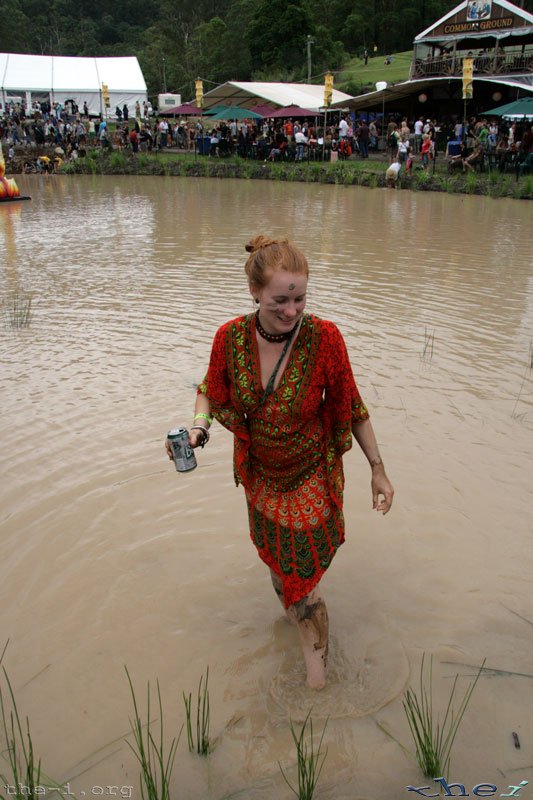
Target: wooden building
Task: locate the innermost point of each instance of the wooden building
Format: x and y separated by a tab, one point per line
495	33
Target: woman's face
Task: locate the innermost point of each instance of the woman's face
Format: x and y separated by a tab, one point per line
282	301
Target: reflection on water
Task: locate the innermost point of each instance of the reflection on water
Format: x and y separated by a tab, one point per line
108	557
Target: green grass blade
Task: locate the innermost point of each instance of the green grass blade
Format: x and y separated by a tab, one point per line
434	740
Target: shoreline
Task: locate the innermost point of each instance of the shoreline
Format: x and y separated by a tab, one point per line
352	172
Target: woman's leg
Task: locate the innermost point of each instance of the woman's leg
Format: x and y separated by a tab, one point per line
311	616
278	588
313	627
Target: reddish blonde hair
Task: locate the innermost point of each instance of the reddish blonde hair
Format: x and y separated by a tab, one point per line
268	256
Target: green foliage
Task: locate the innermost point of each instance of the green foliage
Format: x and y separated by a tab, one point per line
25	774
156	762
25	779
421	179
117	161
355	75
471	183
309	760
277	33
223	40
91	165
433	739
203	745
528	187
496	188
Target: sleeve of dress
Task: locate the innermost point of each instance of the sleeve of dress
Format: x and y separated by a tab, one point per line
343	404
216	385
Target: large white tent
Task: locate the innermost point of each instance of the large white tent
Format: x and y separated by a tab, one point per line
60	78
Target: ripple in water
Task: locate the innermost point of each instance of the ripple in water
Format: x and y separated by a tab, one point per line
366	670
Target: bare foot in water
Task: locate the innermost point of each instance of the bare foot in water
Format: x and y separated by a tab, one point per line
311	617
313	627
315	657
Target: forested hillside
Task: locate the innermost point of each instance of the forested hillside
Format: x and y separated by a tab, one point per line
178	40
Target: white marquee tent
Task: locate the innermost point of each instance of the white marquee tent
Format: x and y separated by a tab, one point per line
248	94
60	78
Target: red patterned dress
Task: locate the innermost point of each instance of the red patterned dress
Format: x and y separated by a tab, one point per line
288	447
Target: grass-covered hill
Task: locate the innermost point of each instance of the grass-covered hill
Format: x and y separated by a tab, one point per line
355	78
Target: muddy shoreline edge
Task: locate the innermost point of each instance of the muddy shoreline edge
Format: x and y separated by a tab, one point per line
347	173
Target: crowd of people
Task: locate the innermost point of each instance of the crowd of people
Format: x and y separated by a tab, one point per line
467	144
69	130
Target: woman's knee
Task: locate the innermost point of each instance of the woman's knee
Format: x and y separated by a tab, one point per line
310	605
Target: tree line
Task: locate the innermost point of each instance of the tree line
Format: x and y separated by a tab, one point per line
179	40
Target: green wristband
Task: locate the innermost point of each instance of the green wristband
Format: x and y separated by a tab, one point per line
203	416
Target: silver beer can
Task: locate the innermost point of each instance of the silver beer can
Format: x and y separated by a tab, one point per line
184	457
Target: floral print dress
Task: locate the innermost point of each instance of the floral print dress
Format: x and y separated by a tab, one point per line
288	446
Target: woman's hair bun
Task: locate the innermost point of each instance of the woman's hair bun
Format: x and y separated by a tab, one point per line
257	243
268	255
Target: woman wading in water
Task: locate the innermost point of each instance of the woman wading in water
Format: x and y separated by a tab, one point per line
280	380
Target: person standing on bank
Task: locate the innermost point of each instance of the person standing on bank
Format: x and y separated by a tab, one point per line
280	380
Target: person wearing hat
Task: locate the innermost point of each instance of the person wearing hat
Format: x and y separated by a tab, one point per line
393	173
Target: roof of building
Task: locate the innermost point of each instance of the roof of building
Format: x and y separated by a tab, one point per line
397	91
504	5
247	94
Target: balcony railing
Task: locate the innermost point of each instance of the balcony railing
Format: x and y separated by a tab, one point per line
484	64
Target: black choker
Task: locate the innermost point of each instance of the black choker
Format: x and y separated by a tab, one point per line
274	338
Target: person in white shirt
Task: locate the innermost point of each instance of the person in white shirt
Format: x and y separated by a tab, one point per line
163	133
392	174
301	141
343	129
419	129
403	149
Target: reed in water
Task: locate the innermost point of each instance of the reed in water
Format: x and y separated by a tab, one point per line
156	761
309	760
433	740
203	744
16	309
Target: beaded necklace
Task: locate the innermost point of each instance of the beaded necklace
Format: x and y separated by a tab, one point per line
274	338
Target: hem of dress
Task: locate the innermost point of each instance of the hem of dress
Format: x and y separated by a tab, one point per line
309	584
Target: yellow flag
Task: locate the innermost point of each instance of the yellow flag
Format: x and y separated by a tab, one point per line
199	92
468	78
328	89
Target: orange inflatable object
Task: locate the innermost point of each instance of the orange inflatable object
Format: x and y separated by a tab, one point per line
8	186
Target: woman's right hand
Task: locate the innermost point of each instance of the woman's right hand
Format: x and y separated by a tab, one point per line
195	438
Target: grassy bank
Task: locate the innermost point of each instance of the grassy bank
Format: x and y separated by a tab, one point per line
348	173
355	77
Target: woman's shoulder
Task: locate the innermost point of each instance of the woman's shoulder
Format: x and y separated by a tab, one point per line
327	334
324	326
234	325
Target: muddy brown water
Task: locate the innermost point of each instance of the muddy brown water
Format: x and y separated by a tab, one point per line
109	558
